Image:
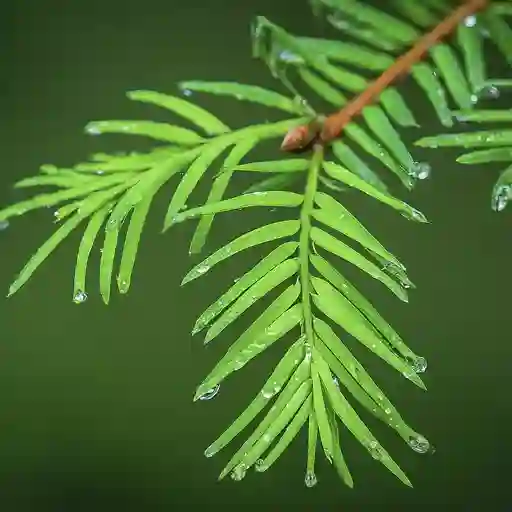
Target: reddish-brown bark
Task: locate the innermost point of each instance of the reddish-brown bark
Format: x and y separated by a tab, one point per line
301	137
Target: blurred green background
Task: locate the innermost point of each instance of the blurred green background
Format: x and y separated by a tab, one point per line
96	402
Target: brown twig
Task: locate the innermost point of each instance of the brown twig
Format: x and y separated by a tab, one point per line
333	125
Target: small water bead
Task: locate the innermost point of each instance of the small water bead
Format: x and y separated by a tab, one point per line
123	285
270	391
186	92
92	130
501	197
421	170
79	297
239	472
310	479
211	393
260	466
419	444
375	450
489	92
4	224
419	365
470	21
202	269
290	58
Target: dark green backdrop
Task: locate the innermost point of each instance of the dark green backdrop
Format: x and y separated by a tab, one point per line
96	407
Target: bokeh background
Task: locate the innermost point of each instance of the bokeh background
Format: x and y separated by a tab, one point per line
96	402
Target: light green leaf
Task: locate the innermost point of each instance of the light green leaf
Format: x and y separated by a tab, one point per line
133	162
299	378
131	244
352	421
243	92
332	275
54	198
449	67
64	179
88	207
336	216
338	459
471	43
271	199
345	176
380	125
43	252
286	165
277	256
333	304
324	427
209	123
245	349
484	156
108	253
272	386
255	237
84	250
356	165
276	182
288	436
220	184
357	381
192	176
468	140
158	131
274	278
301	396
427	79
350	53
374	148
338	248
148	185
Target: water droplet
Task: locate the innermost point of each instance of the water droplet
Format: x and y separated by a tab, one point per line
239	363
4	224
500	197
92	130
375	450
123	285
290	58
202	268
239	472
210	452
186	92
421	170
79	297
416	215
419	443
387	411
336	382
489	92
470	21
419	365
211	393
260	466
310	479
